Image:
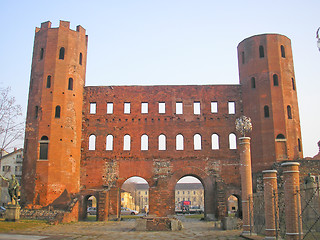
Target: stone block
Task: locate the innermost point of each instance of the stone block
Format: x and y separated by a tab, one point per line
12	213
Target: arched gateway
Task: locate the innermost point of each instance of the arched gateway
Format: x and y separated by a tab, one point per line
103	135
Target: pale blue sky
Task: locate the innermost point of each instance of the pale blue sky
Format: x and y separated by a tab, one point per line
168	42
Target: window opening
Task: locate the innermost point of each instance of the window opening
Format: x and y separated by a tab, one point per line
299	145
242	57
231	107
126	142
261	51
289	112
92	142
37	112
283	53
58	111
70	84
179	142
109	108
293	84
232	141
80	58
280	136
196	108
253	82
93	108
215	141
266	111
44	146
109	143
61	53
179	108
275	80
162	142
197	142
144	107
162	107
126	108
144	142
214	107
48	81
41	53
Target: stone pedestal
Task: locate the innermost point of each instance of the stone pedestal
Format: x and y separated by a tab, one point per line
158	224
12	213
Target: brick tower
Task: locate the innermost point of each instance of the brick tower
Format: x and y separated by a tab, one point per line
51	167
270	99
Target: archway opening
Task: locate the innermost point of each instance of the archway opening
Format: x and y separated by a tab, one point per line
92	208
233	206
189	197
134	197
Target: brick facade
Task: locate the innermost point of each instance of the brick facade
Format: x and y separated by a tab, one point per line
79	168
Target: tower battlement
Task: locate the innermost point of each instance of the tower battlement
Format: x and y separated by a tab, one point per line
62	24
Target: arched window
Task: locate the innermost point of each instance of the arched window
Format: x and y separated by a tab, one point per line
41	53
61	53
242	57
162	142
58	112
275	80
266	111
70	84
215	141
80	58
144	142
92	142
197	142
126	142
299	145
261	51
232	141
44	146
253	82
179	142
293	84
289	112
283	53
49	81
109	143
280	136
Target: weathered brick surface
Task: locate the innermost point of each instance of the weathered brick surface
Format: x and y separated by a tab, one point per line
73	168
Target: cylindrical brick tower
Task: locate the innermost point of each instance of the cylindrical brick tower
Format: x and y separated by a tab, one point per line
269	98
51	167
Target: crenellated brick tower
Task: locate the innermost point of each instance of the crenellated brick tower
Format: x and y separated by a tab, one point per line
54	117
270	98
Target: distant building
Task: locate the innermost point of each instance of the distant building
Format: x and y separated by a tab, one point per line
192	192
10	164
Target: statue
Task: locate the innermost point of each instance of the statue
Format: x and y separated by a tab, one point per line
243	125
13	188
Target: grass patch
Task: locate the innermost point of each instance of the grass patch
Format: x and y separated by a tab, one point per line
128	217
6	226
91	218
195	216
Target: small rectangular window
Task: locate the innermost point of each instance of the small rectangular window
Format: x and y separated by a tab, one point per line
162	107
109	108
126	108
231	107
196	108
179	108
93	108
144	107
214	107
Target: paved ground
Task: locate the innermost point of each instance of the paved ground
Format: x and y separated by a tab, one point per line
120	231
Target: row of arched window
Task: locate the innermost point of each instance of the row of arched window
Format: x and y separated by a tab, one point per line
267	112
275	82
162	142
61	54
49	82
262	54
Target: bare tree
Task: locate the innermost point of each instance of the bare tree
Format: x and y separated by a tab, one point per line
11	122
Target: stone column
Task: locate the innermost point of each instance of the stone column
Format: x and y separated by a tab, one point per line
246	185
292	200
270	202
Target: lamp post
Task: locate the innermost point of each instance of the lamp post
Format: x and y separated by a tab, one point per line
318	37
